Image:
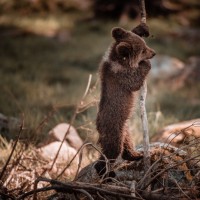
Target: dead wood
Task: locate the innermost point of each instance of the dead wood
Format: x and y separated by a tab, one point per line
13	149
172	177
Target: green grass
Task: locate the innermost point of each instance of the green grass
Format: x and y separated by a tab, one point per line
38	73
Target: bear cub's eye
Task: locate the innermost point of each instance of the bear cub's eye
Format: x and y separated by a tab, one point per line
143	51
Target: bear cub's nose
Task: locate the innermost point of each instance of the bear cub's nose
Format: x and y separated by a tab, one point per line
153	53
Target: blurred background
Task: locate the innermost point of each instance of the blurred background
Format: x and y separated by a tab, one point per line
48	49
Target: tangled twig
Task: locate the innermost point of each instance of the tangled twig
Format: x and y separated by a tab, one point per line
13	149
143	93
74	186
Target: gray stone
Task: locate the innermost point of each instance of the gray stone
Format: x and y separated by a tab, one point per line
189	75
176	133
59	131
8	126
164	66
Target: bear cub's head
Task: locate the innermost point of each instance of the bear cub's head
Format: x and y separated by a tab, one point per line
129	49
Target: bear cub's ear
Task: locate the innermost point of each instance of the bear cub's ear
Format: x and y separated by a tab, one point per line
118	33
123	49
142	30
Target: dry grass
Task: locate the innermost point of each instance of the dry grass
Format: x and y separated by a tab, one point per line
174	172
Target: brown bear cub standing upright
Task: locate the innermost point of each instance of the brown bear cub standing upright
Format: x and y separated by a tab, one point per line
122	72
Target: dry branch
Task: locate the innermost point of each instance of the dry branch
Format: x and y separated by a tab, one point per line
146	146
73	119
13	149
164	162
143	94
74	186
143	11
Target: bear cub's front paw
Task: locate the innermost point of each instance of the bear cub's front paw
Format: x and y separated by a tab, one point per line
144	67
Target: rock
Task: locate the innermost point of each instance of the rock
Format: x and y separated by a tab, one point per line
3	124
71	145
49	151
58	133
189	75
8	125
65	155
164	66
177	133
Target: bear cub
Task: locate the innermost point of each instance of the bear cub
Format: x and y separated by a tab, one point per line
123	70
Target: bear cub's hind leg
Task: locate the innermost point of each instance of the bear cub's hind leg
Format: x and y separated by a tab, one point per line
128	151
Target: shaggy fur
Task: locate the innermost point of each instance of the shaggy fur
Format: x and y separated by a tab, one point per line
122	72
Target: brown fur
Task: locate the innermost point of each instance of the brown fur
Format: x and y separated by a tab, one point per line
142	30
122	71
